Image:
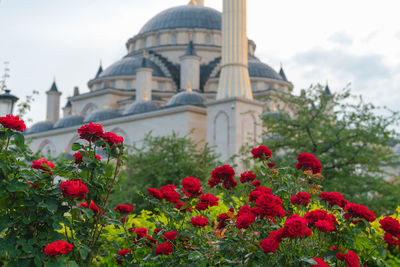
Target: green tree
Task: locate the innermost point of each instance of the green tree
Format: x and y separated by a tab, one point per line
161	160
352	138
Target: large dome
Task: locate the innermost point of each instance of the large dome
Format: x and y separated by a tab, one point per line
188	16
128	65
259	69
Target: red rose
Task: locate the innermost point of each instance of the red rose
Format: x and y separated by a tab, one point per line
58	247
351	258
13	123
277	235
258	192
307	161
390	225
247	177
91	131
271	165
155	193
140	232
301	198
269	245
96	210
78	157
97	157
169	193
164	248
221	219
124	208
225	175
112	139
192	186
33	185
320	263
256	183
295	226
43	164
74	188
170	236
245	220
271	205
122	254
358	211
321	219
199	221
334	198
261	152
323	225
391	240
206	201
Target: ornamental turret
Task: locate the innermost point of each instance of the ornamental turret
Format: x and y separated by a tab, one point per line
190	68
53	103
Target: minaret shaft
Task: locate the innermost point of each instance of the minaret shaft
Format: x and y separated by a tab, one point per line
234	79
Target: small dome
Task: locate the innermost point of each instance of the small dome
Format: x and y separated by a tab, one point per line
141	107
38	127
128	65
102	115
259	69
187	98
68	122
188	16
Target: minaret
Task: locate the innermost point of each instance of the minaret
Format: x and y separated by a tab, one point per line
190	68
144	79
200	2
234	80
53	103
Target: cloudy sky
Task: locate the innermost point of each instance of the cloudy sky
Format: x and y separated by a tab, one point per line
341	41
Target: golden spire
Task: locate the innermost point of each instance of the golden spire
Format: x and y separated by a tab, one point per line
193	3
189	87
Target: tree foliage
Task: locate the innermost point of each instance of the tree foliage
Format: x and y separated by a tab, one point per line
161	160
352	138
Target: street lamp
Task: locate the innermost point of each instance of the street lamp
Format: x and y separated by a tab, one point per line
7	102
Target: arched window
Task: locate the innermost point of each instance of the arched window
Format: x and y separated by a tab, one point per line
174	38
209	39
158	40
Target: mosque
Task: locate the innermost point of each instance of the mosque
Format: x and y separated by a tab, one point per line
191	70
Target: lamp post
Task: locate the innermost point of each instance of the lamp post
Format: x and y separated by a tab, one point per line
7	102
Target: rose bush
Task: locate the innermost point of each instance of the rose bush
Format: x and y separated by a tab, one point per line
274	217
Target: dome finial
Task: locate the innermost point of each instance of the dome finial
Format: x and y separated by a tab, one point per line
189	87
193	3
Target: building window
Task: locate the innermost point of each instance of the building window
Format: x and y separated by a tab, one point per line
208	39
158	40
113	84
174	38
128	85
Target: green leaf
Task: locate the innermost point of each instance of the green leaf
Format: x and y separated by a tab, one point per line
72	264
84	251
310	261
16	185
52	205
76	146
19	140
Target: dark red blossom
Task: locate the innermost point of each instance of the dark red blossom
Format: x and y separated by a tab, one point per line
122	254
261	152
170	236
269	245
245	220
271	165
91	131
140	232
13	123
307	161
192	186
199	221
74	188
112	139
180	206
43	164
96	210
351	258
271	206
321	219
247	177
391	225
301	198
58	247
320	263
123	209
221	219
155	193
334	198
391	240
79	157
358	211
258	192
169	193
206	201
296	226
164	248
256	183
225	175
33	185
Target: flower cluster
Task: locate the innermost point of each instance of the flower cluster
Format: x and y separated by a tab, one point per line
206	201
199	221
225	175
13	123
74	188
391	226
334	198
192	186
43	164
96	210
247	177
261	152
301	198
78	156
350	258
358	211
58	247
307	161
321	219
92	132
